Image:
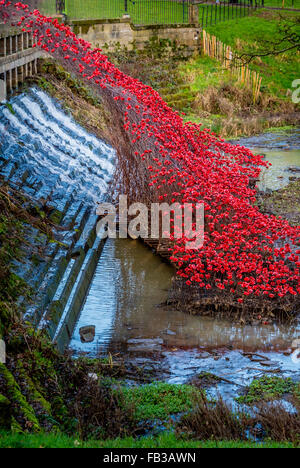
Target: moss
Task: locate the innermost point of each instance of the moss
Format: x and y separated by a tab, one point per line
10	108
19	403
267	388
208	379
5	412
56	216
34	396
296	392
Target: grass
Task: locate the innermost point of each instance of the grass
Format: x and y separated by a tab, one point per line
267	388
153	11
142	12
165	440
159	400
246	34
286	3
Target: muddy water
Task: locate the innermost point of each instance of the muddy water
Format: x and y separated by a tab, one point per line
279	174
123	303
282	150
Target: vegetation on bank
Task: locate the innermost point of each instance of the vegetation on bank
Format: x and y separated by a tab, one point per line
267	388
17	214
54	396
202	89
260	30
284	202
160	400
165	440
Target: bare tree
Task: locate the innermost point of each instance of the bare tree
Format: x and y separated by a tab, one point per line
286	38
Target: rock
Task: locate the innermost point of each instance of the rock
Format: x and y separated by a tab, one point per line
93	376
296	344
87	334
267	364
169	332
294	169
205	355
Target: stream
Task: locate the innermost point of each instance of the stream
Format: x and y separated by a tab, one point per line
59	159
130	283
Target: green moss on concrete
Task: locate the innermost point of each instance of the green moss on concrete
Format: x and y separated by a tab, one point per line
34	396
5	412
18	400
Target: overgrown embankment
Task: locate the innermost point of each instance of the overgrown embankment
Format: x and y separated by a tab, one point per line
44	392
207	92
283	202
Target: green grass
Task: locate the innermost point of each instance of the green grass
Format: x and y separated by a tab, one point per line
279	3
205	71
267	388
142	12
245	34
159	400
150	11
165	440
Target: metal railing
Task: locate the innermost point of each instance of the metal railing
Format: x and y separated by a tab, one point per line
47	7
140	11
158	11
224	10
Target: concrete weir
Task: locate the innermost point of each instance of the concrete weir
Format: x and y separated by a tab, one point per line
62	169
18	59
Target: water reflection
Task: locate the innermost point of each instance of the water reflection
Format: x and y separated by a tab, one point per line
123	301
278	175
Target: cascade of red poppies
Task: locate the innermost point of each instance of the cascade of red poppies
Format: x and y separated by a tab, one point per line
246	253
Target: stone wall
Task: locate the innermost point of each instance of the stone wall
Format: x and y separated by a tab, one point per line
122	31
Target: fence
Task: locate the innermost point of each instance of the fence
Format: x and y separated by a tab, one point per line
217	50
47	7
158	11
140	11
224	10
